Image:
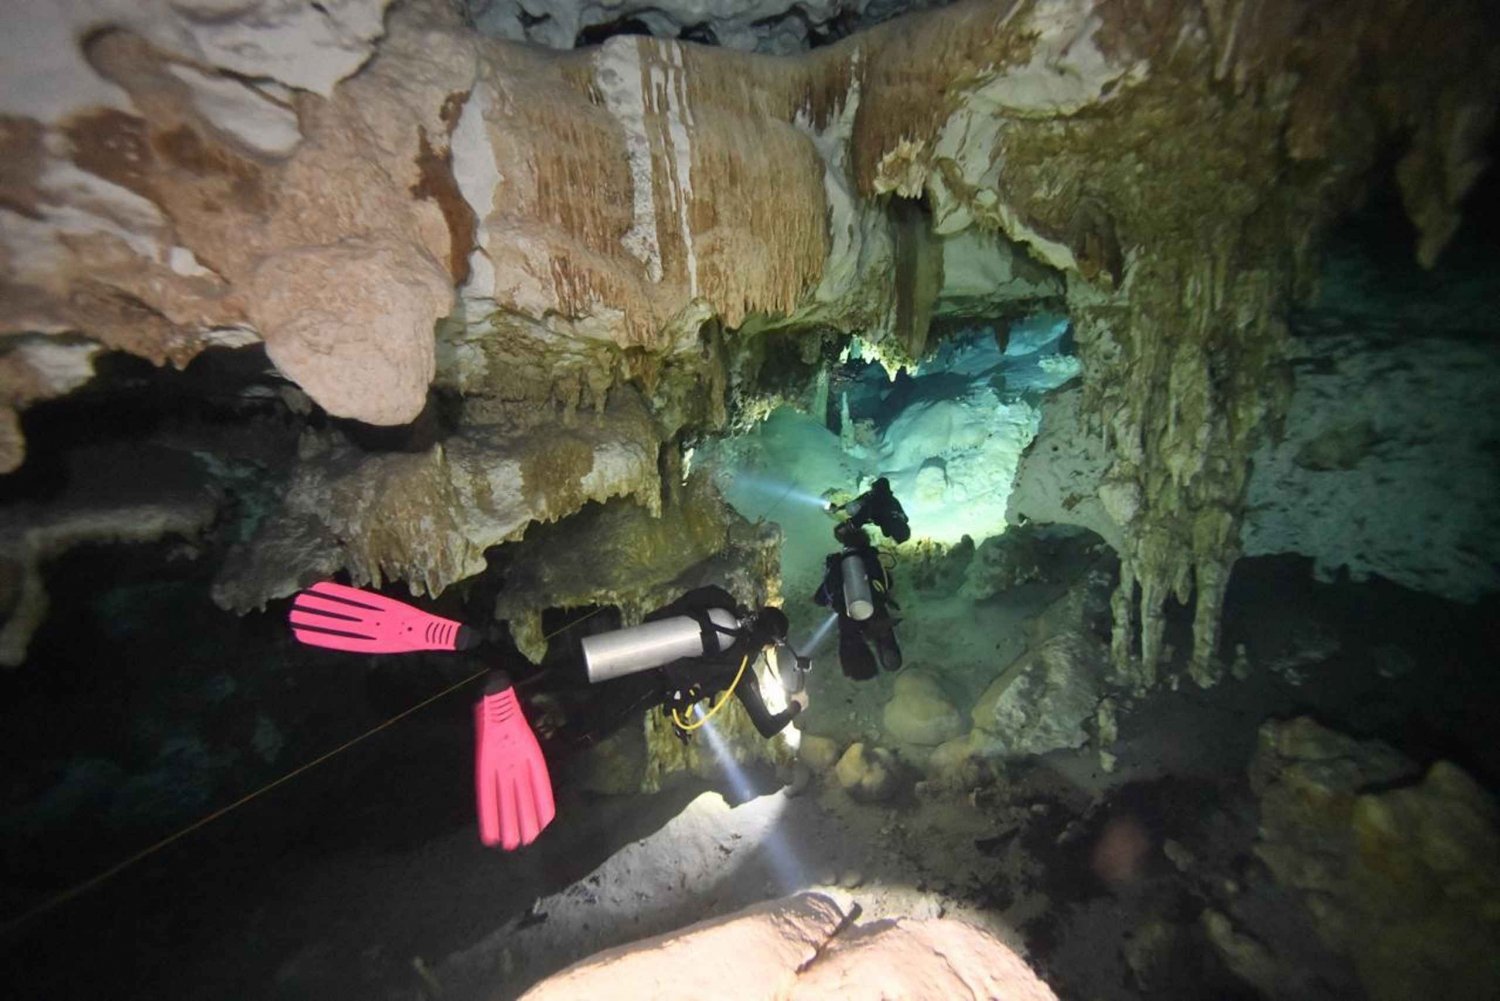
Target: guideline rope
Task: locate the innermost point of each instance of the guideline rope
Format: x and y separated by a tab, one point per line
81	888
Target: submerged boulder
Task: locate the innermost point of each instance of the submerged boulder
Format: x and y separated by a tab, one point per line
957	765
867	774
806	947
1043	701
920	713
819	753
1399	874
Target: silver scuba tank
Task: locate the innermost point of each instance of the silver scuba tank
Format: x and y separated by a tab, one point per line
652	644
857	600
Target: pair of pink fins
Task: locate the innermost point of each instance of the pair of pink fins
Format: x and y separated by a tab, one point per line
511	781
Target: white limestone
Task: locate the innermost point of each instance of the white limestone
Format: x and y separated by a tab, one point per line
60	367
265	125
478	176
618	74
860	245
43	74
670	79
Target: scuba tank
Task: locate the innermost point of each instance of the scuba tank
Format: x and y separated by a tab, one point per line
857	600
652	644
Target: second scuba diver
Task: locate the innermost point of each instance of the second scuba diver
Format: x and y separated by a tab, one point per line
857	586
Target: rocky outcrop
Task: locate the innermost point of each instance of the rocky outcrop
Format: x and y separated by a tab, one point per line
637	559
1043	702
920	712
126	496
1398	873
867	774
427	517
806	947
1060	479
160	204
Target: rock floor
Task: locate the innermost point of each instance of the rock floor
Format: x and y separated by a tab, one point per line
365	879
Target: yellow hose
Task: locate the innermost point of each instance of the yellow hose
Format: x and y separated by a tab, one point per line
710	714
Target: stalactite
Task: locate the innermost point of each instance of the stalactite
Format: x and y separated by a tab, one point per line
918	273
1177	161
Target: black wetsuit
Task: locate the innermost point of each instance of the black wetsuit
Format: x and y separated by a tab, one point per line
879	507
697	678
855	637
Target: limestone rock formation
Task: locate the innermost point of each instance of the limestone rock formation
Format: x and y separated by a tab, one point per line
1373	407
919	712
819	753
1060	480
957	765
867	774
140	495
536	229
803	947
1042	702
637	559
924	960
1398	873
766	944
427	517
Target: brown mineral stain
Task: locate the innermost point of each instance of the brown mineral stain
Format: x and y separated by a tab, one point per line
112	144
438	183
453	106
20	164
182	147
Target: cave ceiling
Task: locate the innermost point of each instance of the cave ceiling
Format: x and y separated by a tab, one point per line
389	199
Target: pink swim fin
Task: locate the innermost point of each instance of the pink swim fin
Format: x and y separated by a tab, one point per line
511	782
346	618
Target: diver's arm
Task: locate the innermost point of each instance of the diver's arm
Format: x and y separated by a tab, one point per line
824	594
769	726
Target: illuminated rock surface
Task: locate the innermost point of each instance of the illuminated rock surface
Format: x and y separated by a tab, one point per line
1399	873
1042	703
797	948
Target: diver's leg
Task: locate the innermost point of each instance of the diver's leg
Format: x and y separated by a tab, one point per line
883	631
577	719
854	655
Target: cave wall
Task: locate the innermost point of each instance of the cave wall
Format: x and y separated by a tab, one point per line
1388	465
393	204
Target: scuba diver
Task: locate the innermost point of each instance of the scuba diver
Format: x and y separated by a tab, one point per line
857	587
695	648
699	646
879	506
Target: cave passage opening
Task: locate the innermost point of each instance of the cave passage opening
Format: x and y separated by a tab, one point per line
948	433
